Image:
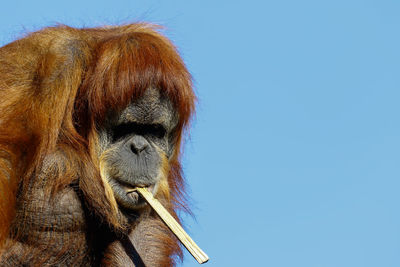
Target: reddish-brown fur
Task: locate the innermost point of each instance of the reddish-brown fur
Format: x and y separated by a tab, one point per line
56	86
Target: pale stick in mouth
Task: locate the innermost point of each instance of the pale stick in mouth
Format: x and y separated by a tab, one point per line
173	225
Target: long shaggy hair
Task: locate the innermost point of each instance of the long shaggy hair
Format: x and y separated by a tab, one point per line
56	87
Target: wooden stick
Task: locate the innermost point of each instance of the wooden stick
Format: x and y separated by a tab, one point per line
174	226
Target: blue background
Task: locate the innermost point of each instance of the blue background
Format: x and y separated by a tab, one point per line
293	158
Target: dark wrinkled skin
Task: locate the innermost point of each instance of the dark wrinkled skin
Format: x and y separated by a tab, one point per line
133	158
132	143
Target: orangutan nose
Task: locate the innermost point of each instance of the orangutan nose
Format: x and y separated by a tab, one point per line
137	144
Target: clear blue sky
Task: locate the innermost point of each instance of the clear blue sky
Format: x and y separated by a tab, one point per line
294	156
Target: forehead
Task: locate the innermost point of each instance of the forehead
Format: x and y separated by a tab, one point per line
151	107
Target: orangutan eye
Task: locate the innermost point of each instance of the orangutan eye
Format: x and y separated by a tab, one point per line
133	128
156	130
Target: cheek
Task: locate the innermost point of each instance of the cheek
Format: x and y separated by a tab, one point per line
162	189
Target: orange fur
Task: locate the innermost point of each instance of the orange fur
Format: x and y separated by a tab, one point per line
56	86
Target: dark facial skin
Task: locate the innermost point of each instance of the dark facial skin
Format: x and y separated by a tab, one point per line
134	144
